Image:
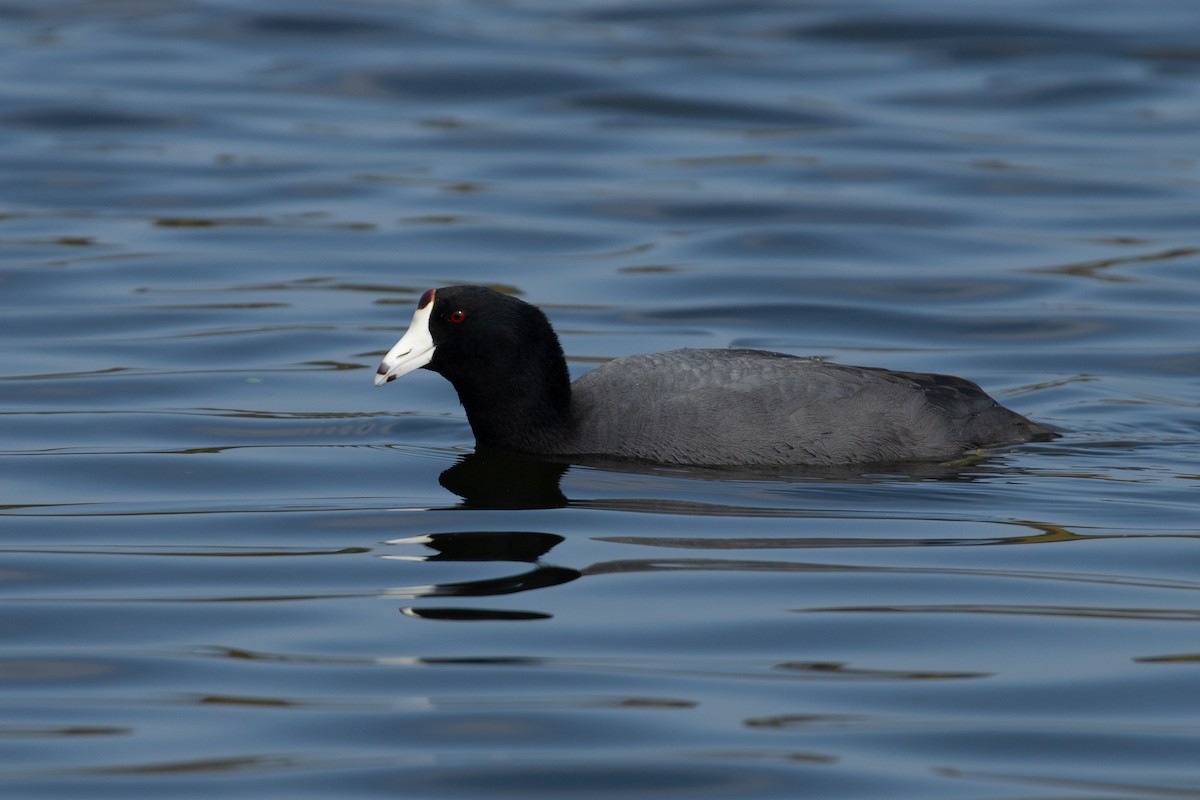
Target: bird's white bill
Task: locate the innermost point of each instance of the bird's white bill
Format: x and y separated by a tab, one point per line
413	351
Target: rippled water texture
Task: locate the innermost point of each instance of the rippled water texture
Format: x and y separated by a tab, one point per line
232	568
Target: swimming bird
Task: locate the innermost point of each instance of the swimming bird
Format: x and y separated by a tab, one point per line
699	407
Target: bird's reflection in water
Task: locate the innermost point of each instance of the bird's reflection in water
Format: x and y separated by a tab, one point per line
520	546
526	547
488	479
496	480
472	614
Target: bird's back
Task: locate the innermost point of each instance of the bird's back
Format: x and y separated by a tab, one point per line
739	407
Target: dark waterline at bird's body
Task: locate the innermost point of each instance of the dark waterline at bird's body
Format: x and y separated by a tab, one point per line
688	407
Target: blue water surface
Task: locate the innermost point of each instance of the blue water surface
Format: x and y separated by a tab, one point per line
231	567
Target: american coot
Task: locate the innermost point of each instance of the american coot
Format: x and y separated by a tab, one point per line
693	407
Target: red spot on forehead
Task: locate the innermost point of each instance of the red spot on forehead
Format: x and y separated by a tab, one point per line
426	298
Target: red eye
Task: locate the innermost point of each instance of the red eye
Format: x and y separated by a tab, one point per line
457	316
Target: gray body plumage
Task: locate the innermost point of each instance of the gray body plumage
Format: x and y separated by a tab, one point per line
745	407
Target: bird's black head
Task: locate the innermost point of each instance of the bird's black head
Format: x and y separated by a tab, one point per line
501	355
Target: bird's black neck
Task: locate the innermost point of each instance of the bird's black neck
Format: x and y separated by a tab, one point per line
525	406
